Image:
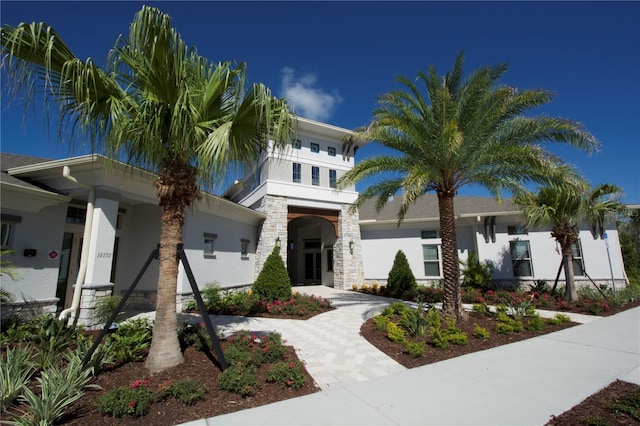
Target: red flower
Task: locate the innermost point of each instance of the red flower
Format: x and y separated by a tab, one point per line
131	405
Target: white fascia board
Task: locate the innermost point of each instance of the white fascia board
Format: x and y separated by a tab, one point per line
41	193
31	200
53	164
375	222
225	208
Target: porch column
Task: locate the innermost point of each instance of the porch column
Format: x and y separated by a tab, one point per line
97	283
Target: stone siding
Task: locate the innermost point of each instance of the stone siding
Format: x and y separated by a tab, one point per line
274	227
348	267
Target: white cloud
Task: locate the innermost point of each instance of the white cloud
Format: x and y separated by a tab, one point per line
308	100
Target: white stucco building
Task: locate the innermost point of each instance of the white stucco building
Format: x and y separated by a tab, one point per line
288	200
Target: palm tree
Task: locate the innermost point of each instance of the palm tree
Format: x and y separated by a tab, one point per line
459	132
161	106
565	207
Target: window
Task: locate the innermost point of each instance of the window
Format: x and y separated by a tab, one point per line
425	235
296	143
5	234
332	178
244	248
315	175
521	259
431	254
76	215
297	172
315	147
578	261
517	230
209	244
330	260
8	223
331	151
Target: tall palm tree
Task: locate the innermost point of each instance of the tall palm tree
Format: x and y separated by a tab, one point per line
459	132
565	207
161	106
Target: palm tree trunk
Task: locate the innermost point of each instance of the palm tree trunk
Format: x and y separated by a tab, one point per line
176	188
452	303
165	349
567	263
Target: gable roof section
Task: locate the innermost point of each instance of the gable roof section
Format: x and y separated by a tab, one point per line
426	208
9	161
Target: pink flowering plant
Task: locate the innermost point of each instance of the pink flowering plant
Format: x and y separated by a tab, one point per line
132	400
288	374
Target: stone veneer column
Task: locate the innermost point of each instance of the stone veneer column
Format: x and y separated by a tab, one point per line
348	269
274	226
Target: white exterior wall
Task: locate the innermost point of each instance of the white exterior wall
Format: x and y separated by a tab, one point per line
379	248
139	235
227	266
42	231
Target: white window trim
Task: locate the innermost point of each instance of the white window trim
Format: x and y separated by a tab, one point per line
529	259
212	238
244	248
439	261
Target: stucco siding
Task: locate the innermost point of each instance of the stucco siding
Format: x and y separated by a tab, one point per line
38	275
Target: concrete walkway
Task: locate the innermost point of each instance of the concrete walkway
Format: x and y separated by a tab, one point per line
523	383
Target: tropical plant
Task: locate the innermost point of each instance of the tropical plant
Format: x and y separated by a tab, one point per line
460	132
105	307
565	207
401	280
59	388
476	274
16	369
161	106
273	282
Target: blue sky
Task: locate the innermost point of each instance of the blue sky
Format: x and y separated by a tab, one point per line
333	59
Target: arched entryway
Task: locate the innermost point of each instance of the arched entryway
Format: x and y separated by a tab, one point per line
310	249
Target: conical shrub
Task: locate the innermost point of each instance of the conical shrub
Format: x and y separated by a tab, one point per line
273	282
401	281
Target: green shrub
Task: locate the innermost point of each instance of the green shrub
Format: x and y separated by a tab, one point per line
401	279
132	400
288	374
483	309
188	391
131	340
438	338
476	274
414	321
453	334
396	308
536	323
381	322
16	369
433	318
395	333
238	302
480	332
105	307
559	319
414	349
273	282
240	379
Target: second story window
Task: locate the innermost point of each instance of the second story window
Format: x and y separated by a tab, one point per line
315	175
296	143
332	178
297	172
331	151
315	147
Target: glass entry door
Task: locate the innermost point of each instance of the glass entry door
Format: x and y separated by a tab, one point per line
312	267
